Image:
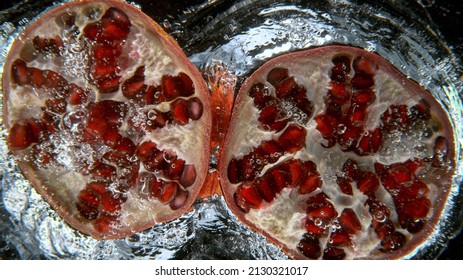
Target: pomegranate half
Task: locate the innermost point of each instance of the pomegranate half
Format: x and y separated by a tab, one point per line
107	117
332	153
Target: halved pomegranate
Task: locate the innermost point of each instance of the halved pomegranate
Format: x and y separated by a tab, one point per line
107	117
332	153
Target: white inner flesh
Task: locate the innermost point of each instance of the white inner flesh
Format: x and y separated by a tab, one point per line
284	217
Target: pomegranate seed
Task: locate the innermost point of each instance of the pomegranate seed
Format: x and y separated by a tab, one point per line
125	147
271	148
134	87
293	168
118	16
349	139
339	92
108	85
76	94
417	190
269	114
340	239
188	176
326	125
56	105
20	136
421	111
89	198
278	178
155	186
363	98
414	165
286	88
313	229
383	229
112	30
393	242
265	189
261	97
345	185
97	187
175	169
195	108
293	138
333	253
235	171
97	126
92	31
276	75
400	173
277	125
368	183
326	213
103	69
173	87
440	152
362	82
310	183
105	52
104	172
104	223
179	111
146	150
350	169
87	211
168	192
153	95
376	206
187	84
156	162
376	140
248	197
36	77
160	120
417	208
248	167
54	80
310	247
109	203
364	66
341	68
179	200
113	111
349	221
357	116
54	45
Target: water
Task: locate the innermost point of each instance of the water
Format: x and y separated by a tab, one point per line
231	39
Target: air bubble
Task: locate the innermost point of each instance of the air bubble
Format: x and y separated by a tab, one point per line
380	217
166	24
152	114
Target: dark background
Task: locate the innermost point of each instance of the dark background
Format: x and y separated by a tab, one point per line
448	17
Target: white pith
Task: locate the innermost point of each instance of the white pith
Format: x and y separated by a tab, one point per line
143	49
312	73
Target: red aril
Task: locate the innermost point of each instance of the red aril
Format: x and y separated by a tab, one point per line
97	99
336	185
